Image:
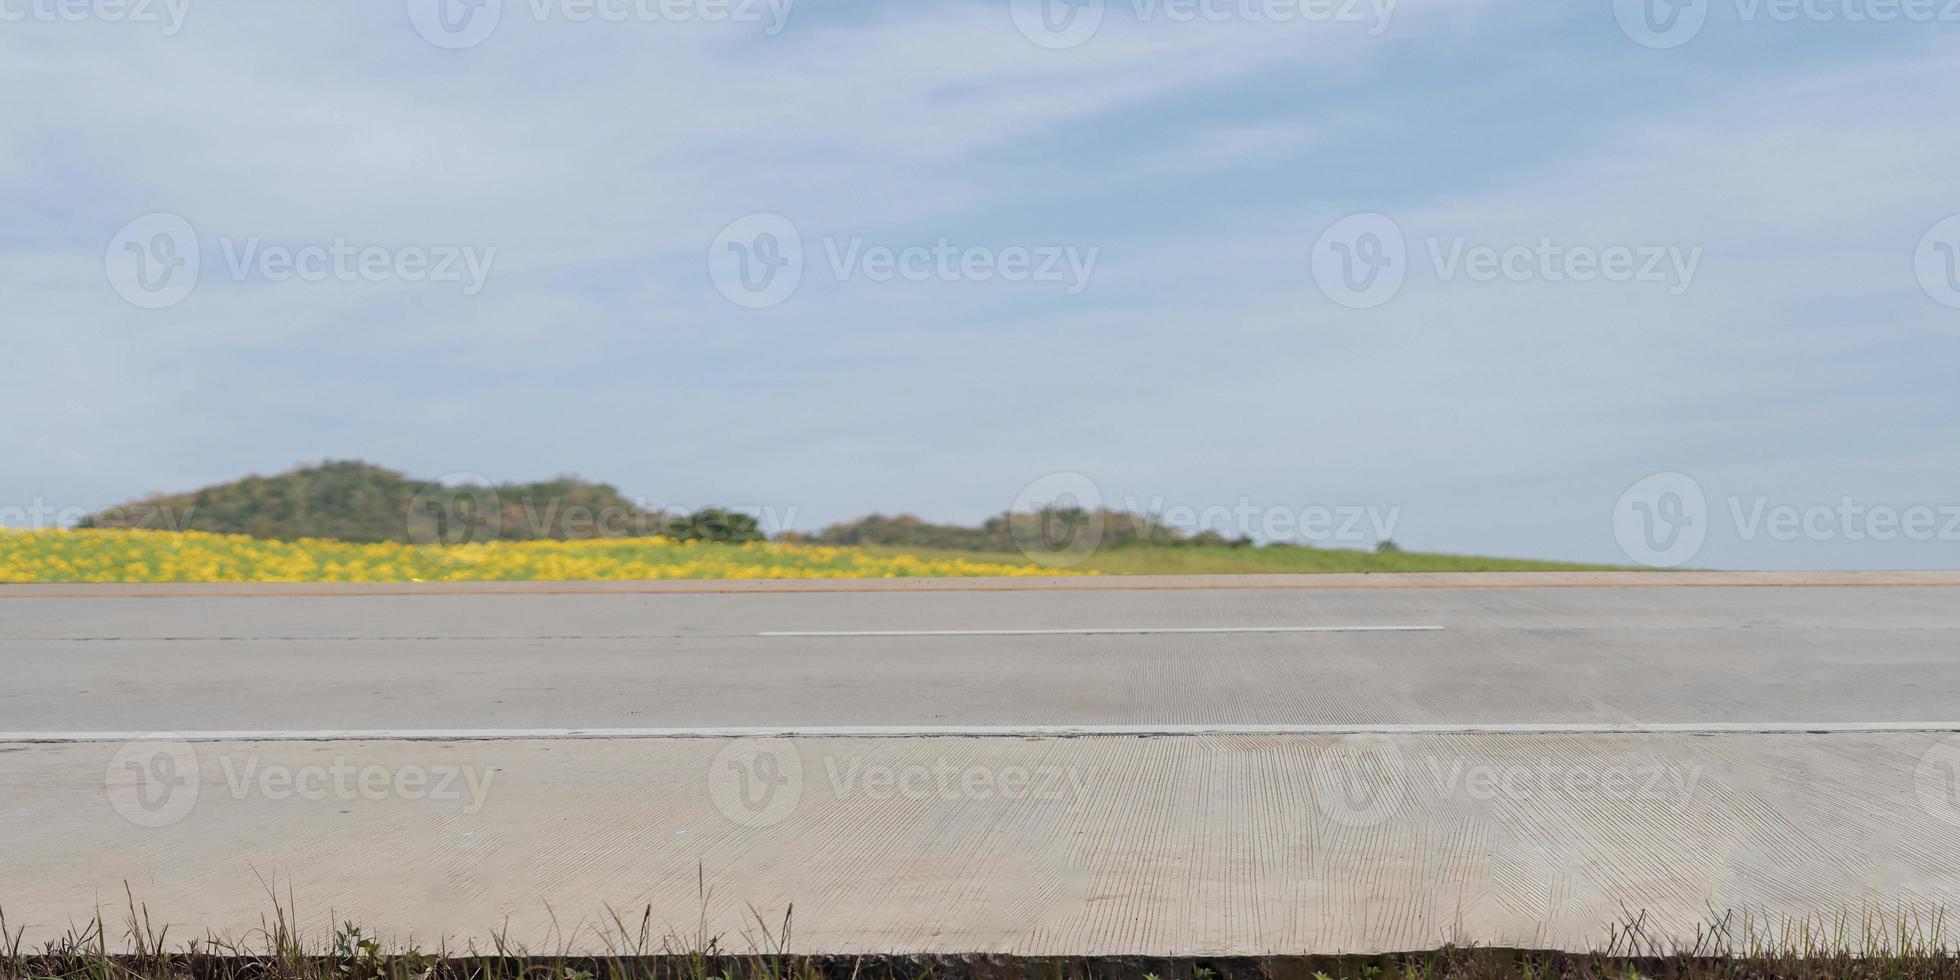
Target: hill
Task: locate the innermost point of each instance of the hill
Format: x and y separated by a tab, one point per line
1134	544
363	503
1002	533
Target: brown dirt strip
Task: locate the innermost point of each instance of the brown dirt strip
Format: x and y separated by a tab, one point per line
1329	580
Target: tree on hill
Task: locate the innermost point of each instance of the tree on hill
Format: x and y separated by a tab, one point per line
1008	532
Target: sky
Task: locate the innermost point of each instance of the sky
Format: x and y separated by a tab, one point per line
1616	281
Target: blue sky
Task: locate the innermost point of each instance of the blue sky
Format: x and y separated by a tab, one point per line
1804	162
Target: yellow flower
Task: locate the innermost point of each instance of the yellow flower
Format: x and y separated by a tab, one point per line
161	556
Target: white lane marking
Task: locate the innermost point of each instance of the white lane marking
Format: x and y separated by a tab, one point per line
1092	631
990	731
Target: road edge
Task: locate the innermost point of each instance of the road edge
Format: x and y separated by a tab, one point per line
1321	580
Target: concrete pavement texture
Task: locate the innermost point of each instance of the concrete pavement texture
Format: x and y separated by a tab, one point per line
1056	657
1792	756
1192	845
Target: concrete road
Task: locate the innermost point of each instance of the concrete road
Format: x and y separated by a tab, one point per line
1054	657
1797	759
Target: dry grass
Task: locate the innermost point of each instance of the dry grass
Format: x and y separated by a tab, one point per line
1730	947
1221	560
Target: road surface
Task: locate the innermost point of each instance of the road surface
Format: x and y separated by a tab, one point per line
1152	766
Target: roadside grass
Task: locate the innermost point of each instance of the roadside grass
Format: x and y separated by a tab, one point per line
1225	560
1730	947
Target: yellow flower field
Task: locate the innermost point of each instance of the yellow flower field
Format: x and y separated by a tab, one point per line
160	556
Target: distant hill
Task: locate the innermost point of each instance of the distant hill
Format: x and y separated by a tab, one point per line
1007	532
360	502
